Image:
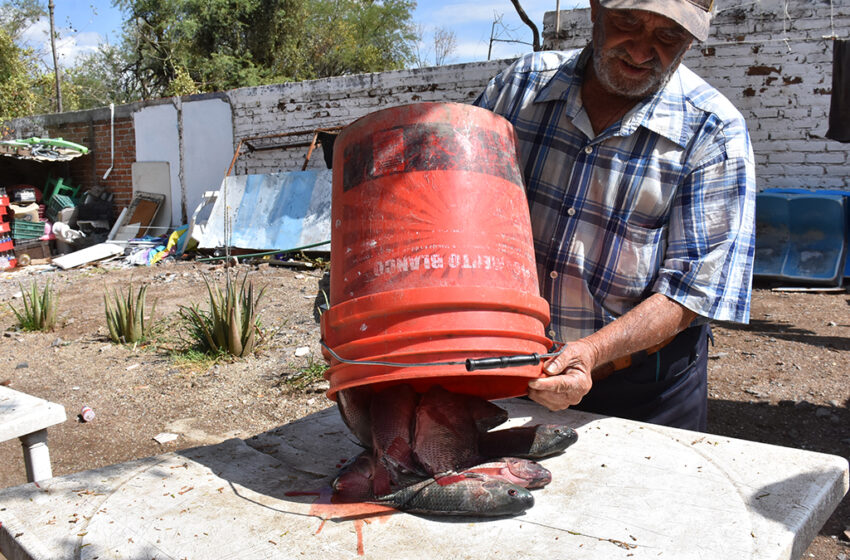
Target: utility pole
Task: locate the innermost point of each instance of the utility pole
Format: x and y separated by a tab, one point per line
55	63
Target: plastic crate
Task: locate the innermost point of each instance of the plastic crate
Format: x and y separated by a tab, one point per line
32	249
27	230
57	203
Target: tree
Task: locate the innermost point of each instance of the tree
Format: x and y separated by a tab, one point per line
224	44
17	15
445	43
19	67
98	79
16	95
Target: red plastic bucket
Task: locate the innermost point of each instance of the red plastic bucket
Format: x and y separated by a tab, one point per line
432	257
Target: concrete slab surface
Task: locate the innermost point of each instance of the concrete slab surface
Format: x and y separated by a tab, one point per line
22	414
624	490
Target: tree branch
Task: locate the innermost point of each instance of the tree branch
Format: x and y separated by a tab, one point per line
527	20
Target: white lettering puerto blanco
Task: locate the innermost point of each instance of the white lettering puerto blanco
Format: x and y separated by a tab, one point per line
415	263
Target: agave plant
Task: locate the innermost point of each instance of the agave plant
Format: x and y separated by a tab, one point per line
39	311
232	324
125	317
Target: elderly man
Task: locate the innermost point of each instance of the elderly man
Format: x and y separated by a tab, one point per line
641	186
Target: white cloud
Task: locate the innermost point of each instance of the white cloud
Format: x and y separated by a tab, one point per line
68	49
472	23
69	45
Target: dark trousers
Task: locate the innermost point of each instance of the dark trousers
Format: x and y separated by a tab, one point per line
669	387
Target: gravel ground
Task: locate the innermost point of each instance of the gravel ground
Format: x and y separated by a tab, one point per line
780	380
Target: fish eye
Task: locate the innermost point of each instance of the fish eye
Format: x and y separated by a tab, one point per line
557	431
511	492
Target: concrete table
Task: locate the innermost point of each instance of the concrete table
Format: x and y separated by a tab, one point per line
624	490
26	417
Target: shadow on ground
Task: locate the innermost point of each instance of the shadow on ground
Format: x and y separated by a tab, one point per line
801	424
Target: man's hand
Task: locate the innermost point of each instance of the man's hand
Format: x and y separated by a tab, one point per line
650	322
569	377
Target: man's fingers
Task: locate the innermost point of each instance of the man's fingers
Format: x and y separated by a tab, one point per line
555	384
546	399
556	365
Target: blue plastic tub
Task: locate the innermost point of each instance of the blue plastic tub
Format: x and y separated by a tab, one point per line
802	236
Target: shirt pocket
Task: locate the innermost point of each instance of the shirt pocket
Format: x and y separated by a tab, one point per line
632	260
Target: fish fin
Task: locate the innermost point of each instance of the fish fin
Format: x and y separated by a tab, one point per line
381	483
485	414
399	458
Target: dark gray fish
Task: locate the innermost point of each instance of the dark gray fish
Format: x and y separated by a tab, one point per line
485	414
529	442
461	494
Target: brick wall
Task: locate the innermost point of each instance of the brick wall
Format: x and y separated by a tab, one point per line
782	89
91	129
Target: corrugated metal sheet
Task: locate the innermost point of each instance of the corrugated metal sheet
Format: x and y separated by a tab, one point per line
272	212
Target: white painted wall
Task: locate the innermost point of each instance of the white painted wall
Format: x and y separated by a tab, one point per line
196	139
207	148
158	139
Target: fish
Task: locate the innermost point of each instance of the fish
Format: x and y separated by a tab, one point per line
354	483
522	472
528	442
470	494
437	453
355	405
485	414
392	418
445	436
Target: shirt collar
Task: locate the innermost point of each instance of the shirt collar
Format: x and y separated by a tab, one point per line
662	113
565	83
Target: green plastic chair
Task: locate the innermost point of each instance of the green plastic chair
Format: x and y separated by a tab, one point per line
58	186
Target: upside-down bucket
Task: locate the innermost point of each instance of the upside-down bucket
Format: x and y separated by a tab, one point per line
432	257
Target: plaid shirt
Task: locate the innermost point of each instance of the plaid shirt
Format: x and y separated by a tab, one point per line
661	201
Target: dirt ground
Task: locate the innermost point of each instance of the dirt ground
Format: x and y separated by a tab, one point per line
783	379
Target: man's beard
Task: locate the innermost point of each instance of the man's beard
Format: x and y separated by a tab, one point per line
604	65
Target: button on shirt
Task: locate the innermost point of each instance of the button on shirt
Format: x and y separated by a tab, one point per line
662	201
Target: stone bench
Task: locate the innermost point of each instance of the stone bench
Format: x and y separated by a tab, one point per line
27	418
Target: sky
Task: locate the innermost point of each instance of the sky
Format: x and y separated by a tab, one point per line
84	24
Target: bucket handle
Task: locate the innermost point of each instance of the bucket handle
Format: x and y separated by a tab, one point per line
471	364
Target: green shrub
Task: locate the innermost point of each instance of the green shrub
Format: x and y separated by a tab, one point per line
232	323
39	311
125	317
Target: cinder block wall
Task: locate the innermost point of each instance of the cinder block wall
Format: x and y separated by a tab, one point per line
783	89
331	102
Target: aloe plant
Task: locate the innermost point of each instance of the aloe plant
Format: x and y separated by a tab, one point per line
125	316
232	323
39	310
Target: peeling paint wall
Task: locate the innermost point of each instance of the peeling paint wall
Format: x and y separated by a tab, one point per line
783	89
304	106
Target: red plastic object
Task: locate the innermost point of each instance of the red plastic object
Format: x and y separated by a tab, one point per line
432	257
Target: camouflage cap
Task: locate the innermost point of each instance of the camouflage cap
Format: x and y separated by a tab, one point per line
693	15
